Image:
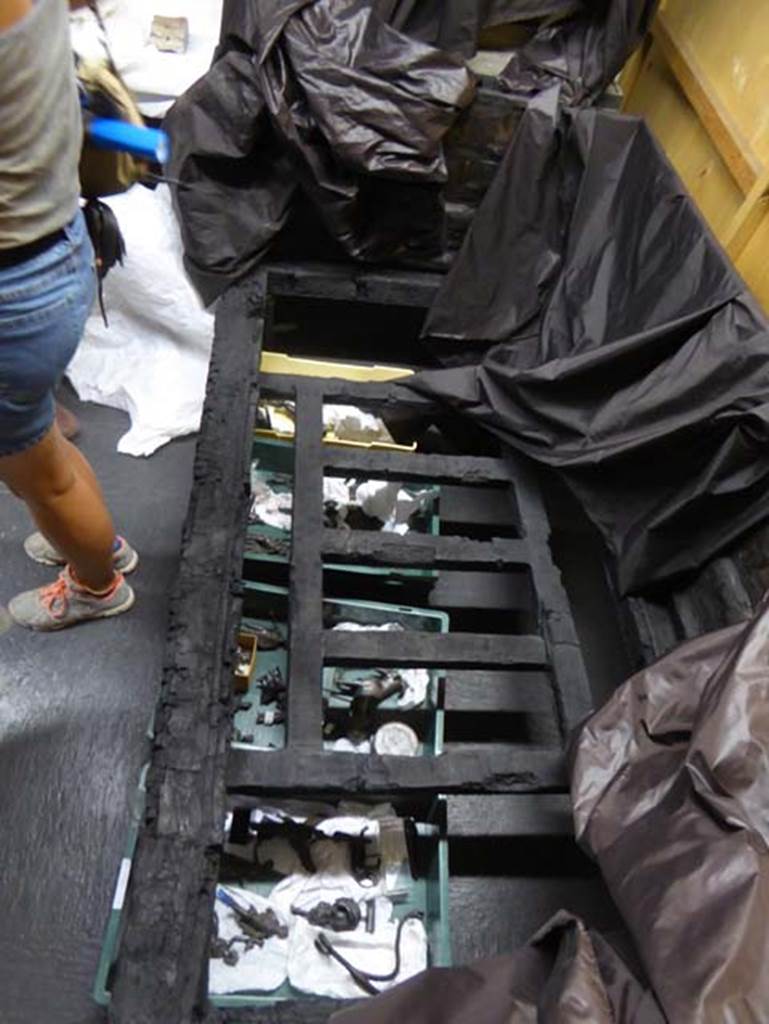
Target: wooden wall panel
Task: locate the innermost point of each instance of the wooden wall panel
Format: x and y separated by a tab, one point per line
753	264
731	41
702	82
658	98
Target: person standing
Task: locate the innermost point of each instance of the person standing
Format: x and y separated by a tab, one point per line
47	286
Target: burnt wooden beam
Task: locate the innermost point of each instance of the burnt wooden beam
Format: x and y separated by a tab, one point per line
545	814
367	394
423	551
498	691
570	683
292	1011
480	506
353	284
170	899
519	769
474	591
414	467
305	650
437	650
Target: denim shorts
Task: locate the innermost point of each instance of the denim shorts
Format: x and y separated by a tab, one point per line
44	303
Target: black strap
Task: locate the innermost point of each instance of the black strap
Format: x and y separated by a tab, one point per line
363	979
108	243
22	253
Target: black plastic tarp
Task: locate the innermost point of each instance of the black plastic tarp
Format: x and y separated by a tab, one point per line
455	25
322	96
581	54
340	108
609	337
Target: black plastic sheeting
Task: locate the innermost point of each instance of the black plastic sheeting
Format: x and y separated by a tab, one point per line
581	54
626	352
327	103
322	96
670	788
455	25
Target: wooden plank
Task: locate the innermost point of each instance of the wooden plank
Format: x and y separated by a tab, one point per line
413	467
484	591
572	689
479	506
422	650
502	692
353	284
752	262
746	221
733	145
659	99
170	899
730	42
367	394
421	551
631	72
516	815
304	718
517	769
291	1011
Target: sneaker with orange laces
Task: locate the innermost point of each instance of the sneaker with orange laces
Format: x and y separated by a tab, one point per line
66	603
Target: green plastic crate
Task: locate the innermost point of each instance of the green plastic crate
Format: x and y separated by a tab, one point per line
110	945
276	466
429	895
267	605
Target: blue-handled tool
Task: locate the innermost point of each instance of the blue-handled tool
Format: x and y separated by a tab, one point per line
146	143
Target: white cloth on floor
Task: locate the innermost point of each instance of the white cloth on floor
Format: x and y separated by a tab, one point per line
152	361
264	968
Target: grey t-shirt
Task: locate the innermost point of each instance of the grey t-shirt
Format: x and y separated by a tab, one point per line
40	126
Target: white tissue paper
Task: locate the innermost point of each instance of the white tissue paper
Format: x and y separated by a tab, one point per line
152	361
307	969
264	968
312	971
349	423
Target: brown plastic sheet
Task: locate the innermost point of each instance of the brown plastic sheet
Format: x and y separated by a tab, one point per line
604	333
671	796
565	975
321	96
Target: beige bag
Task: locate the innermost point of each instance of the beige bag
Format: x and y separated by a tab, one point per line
105	172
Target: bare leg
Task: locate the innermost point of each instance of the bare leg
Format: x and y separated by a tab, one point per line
65	500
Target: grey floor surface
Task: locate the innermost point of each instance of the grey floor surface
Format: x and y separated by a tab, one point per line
74	711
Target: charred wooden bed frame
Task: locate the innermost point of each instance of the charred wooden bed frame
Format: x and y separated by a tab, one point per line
161	974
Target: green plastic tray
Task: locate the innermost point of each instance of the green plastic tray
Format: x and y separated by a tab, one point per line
267	606
428	895
276	466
